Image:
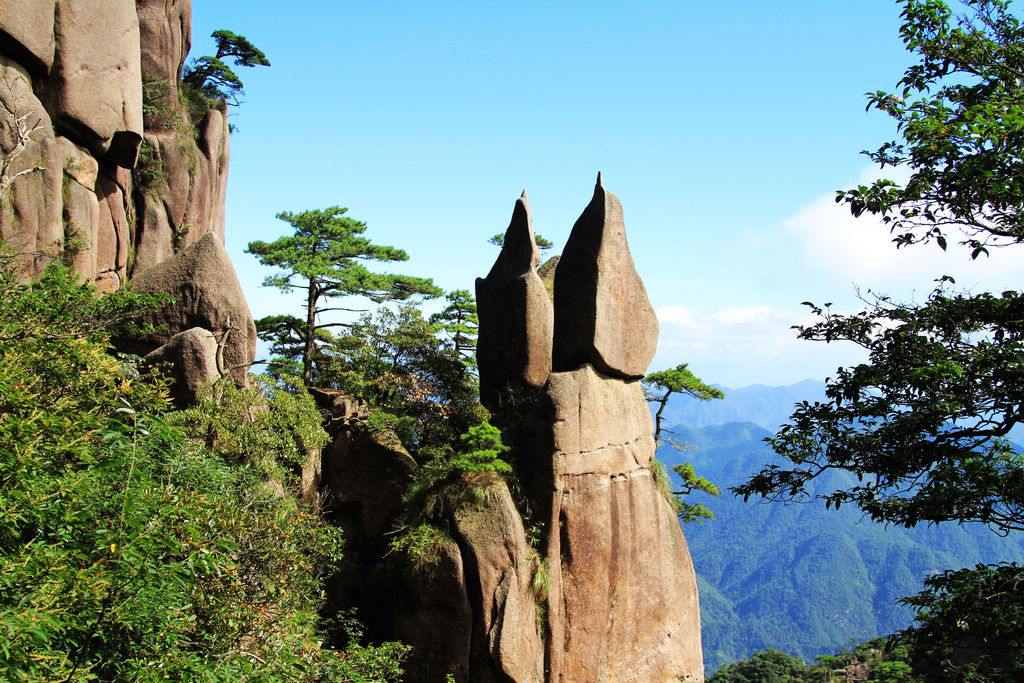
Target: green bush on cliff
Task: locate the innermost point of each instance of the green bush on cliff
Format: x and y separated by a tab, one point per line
129	549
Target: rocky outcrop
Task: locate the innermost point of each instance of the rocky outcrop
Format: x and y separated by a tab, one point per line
115	190
500	567
622	596
516	318
26	34
109	191
190	358
205	293
623	606
602	314
433	612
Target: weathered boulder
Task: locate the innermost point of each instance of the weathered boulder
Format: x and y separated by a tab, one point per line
623	598
516	317
207	294
113	231
26	33
500	566
94	91
602	313
77	68
191	358
365	474
187	200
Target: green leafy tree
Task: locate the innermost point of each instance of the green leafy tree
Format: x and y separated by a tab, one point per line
764	666
923	423
323	259
422	388
658	388
970	625
459	322
212	77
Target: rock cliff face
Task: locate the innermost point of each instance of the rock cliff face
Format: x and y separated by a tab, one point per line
126	175
106	166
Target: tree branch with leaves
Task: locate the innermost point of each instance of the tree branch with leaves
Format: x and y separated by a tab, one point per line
658	388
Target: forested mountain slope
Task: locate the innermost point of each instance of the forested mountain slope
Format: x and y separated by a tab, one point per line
800	578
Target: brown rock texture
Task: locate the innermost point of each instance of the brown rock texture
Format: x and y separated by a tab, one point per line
516	317
26	33
500	566
623	602
365	473
434	614
165	36
94	88
191	357
78	68
206	293
602	313
30	215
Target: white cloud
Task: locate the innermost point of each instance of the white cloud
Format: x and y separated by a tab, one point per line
743	345
860	250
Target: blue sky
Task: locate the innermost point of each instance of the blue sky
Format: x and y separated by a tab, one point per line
724	128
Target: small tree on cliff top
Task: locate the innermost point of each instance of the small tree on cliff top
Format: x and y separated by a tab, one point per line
323	258
215	79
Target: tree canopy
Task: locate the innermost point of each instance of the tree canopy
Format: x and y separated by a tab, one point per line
323	258
923	424
213	77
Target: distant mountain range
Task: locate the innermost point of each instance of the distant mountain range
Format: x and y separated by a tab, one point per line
767	407
799	578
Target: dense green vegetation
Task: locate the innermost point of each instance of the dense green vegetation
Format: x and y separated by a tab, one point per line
873	660
140	543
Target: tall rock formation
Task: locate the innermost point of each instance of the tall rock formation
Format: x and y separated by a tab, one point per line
108	166
622	595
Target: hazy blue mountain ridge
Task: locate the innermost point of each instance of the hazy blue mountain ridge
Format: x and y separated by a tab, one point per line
765	406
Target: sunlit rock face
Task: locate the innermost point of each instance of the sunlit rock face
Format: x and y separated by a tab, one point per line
602	314
113	190
113	193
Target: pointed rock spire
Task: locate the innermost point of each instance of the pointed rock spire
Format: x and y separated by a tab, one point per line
516	317
602	313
